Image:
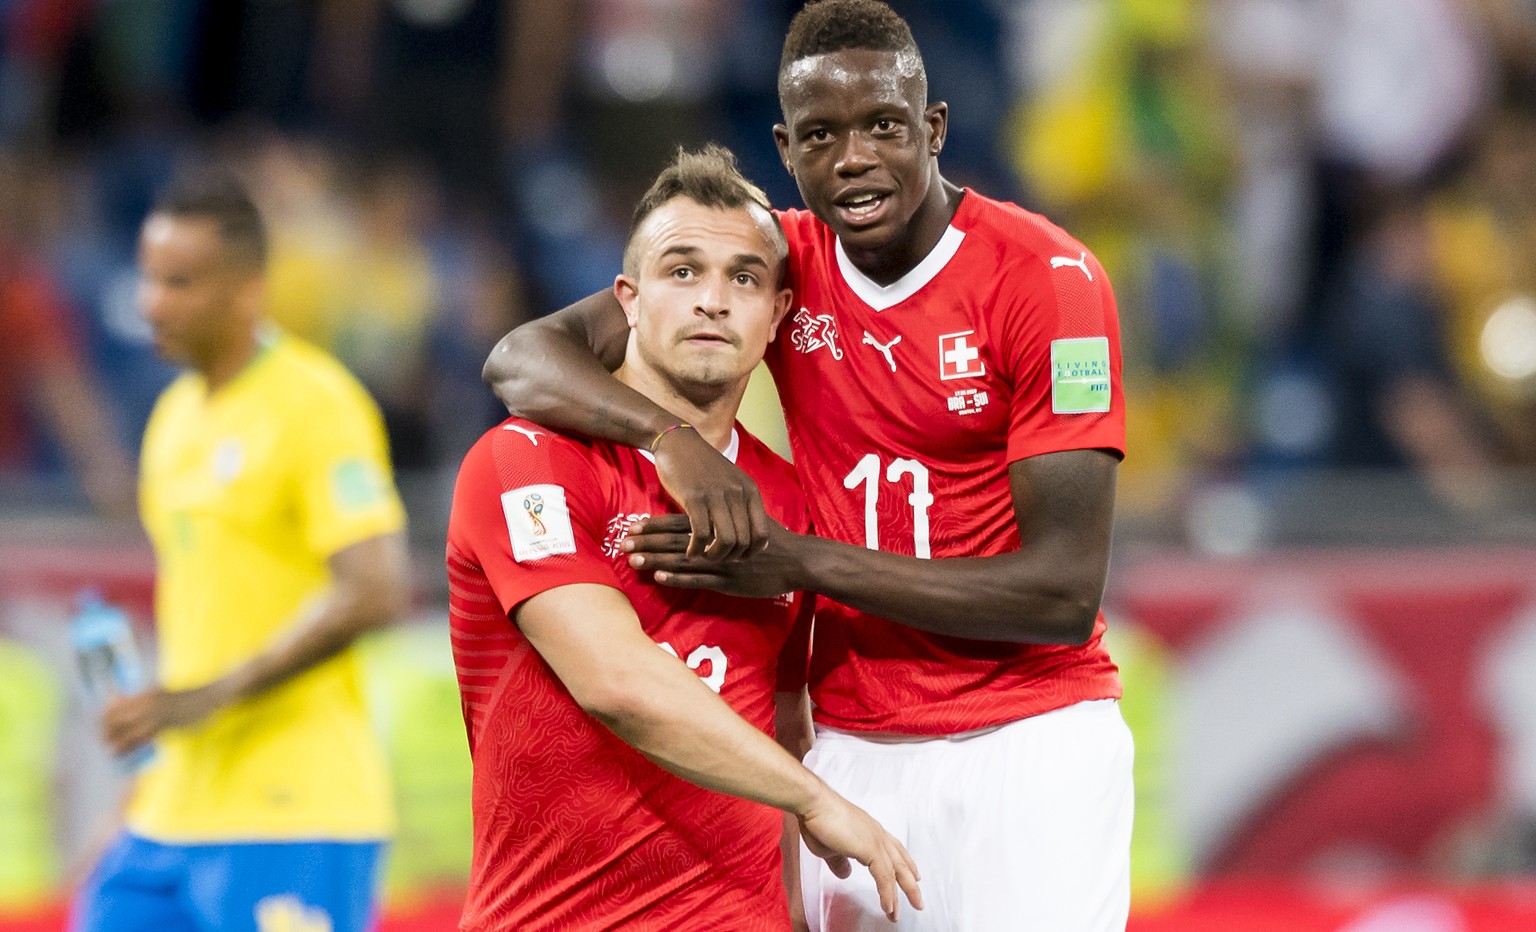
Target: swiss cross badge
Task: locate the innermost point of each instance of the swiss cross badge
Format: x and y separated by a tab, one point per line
960	357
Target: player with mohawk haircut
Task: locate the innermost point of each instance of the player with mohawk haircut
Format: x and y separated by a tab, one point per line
623	776
950	374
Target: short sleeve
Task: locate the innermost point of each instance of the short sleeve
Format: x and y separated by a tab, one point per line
346	488
528	510
1060	335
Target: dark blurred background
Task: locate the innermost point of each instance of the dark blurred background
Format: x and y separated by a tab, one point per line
1319	215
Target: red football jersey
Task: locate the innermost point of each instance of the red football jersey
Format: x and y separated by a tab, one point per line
573	828
905	404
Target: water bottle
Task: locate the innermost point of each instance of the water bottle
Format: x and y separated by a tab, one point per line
109	661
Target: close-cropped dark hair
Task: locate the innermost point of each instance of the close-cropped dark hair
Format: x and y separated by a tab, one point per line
708	177
824	26
220	197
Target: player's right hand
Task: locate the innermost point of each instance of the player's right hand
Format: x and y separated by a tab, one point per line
836	830
724	507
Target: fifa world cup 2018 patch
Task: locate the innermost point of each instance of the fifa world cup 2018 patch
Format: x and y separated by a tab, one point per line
538	522
1080	375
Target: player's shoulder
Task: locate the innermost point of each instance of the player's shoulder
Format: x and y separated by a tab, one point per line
801	228
181	395
1015	234
520	441
766	467
182	390
311	378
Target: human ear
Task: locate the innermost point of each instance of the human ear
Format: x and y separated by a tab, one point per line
627	291
781	302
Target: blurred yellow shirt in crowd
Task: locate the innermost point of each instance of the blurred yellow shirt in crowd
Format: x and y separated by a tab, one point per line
245	494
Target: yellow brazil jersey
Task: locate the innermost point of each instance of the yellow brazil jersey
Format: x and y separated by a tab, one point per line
245	494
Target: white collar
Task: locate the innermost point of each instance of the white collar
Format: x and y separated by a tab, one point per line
880	296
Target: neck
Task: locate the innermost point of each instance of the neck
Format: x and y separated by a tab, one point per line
890	262
708	409
231	358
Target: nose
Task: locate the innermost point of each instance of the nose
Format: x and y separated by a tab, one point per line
712	301
857	155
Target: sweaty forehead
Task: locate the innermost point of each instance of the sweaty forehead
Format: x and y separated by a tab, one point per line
852	76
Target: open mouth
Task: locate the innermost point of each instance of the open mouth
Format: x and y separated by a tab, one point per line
861	209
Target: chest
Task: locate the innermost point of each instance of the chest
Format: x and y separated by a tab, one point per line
732	643
210	469
927	372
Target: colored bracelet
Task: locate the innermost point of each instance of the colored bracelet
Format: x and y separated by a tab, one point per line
656	441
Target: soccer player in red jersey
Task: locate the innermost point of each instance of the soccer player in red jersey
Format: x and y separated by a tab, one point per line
950	373
580	826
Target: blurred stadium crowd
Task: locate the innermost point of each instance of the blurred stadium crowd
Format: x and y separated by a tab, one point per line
1320	215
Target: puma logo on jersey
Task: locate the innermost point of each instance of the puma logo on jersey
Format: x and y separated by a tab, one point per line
1080	262
885	350
813	331
532	435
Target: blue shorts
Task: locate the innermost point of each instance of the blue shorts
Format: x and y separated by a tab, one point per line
145	886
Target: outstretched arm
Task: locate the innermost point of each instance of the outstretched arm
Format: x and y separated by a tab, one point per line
1046	592
557	371
663	710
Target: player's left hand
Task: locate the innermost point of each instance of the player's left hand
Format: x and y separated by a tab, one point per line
660	543
130	721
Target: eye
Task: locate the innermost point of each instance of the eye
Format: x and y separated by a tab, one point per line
885	125
746	279
818	135
682	273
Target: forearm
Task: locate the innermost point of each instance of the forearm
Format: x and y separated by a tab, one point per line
368	591
1045	592
1022	597
550	372
676	721
323	630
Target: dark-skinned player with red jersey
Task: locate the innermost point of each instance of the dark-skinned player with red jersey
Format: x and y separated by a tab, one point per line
950	374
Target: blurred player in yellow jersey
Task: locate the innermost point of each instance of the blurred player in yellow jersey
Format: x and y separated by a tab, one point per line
266	491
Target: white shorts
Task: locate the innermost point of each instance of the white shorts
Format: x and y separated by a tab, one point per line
1025	826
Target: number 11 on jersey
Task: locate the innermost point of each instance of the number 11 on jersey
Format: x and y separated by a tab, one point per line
867	473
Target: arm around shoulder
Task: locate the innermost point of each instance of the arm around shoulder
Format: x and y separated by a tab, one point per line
557	371
1046	592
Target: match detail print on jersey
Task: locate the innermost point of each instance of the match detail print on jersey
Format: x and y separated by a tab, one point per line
538	522
1080	375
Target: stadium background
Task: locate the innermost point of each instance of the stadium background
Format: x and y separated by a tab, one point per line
1320	216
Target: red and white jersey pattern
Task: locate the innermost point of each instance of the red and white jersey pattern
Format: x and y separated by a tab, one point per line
906	404
574	829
